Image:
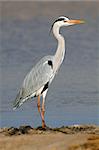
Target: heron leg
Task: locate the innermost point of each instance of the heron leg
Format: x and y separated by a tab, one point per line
43	109
38	104
42	115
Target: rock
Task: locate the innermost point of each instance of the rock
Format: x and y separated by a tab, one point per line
90	129
11	131
25	129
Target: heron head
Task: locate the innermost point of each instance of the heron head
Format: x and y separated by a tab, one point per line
64	21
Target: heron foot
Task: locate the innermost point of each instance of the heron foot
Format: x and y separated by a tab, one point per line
44	129
43	124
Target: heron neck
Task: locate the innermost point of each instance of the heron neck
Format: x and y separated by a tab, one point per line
60	52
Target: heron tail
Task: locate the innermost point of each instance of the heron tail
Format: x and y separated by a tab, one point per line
19	100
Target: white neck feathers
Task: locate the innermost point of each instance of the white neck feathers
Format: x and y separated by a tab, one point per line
60	52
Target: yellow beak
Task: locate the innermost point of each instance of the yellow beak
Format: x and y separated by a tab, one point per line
76	21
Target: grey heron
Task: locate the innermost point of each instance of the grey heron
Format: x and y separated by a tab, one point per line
37	81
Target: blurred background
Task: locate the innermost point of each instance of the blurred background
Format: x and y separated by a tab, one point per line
73	97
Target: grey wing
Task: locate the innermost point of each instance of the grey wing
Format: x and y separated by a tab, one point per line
35	79
38	76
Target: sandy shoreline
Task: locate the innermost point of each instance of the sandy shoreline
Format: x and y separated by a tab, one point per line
80	137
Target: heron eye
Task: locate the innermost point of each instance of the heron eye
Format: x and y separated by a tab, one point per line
65	20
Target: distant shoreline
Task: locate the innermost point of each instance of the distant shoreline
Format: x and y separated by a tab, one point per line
25	10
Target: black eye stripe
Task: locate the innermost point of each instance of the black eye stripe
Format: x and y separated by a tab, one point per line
60	19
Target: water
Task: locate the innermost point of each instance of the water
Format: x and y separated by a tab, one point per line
73	97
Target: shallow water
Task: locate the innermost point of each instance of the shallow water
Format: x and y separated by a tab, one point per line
73	97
